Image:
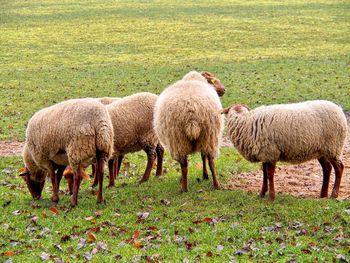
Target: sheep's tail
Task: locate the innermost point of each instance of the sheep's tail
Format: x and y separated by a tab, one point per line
104	140
192	130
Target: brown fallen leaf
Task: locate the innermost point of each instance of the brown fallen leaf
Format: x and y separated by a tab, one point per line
8	253
54	210
91	236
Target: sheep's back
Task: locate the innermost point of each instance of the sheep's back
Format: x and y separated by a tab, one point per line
293	132
188	119
76	127
132	120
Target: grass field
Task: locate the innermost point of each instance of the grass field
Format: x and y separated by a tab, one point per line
263	52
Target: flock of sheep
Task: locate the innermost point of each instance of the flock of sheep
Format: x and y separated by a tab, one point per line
187	117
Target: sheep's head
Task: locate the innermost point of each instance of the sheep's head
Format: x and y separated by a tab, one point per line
216	83
35	187
68	174
238	109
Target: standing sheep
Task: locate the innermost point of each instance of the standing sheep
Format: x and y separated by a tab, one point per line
74	132
132	119
187	120
292	133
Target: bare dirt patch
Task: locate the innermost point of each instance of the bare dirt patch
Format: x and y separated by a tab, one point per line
302	180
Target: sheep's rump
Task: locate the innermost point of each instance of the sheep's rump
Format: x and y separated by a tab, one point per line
132	119
75	128
290	132
187	119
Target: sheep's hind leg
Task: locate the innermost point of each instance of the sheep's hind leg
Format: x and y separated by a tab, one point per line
151	157
101	157
160	156
270	169
265	184
216	183
117	166
184	172
111	169
338	169
205	171
326	168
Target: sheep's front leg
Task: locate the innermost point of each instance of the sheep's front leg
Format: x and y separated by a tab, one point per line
338	169
205	171
184	172
111	169
151	156
93	166
54	181
327	169
216	183
265	185
76	182
160	156
99	173
270	174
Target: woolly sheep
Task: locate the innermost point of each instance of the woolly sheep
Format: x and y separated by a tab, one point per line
187	120
74	132
292	133
132	119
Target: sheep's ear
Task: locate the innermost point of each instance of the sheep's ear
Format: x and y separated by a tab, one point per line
24	172
225	110
207	75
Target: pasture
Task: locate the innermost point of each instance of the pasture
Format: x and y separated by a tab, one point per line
263	52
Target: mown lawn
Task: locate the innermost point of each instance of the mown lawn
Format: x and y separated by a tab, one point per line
263	51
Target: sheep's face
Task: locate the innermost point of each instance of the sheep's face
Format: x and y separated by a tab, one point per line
216	83
236	109
35	187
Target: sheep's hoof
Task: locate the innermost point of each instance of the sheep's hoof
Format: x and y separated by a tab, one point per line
271	198
262	195
216	187
73	202
142	180
205	176
54	202
110	185
334	194
102	201
183	190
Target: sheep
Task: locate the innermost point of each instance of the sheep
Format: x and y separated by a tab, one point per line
74	132
187	119
292	133
132	119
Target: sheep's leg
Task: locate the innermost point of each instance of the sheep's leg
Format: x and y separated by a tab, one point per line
99	173
326	168
151	157
93	166
213	173
160	156
184	171
338	169
265	185
118	165
77	175
111	167
59	175
54	181
270	169
205	171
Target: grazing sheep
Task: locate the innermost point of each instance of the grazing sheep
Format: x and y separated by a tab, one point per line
74	132
187	120
132	119
292	133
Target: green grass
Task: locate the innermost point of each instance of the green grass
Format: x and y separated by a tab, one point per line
206	224
263	52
